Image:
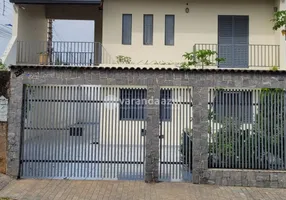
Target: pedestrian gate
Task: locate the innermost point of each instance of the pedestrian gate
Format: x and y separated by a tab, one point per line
175	134
83	132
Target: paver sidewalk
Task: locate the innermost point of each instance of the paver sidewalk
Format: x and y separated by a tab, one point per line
70	190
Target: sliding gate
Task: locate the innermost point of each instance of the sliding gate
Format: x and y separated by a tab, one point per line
175	134
83	132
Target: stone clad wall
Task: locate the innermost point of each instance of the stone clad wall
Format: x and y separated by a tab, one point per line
250	178
199	80
4	90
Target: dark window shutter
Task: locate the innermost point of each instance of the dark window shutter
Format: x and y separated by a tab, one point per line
148	30
169	29
126	29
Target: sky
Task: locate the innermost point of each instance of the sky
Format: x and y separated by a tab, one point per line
63	30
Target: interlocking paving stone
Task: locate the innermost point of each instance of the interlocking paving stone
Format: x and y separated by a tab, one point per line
76	189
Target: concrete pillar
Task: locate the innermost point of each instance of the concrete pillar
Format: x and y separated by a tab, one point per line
200	134
152	134
98	39
98	28
15	122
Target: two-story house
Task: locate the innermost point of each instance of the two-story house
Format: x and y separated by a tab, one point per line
82	127
150	32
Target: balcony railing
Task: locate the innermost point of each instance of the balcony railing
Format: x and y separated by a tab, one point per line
243	55
62	53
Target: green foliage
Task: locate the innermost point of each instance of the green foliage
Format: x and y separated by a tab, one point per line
274	68
2	66
201	57
123	59
270	121
230	142
232	146
279	20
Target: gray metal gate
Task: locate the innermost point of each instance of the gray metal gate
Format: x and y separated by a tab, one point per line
175	134
83	132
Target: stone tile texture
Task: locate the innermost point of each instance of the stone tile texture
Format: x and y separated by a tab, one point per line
67	189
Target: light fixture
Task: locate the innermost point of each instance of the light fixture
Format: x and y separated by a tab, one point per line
187	10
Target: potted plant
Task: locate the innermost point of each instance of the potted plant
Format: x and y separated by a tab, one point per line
43	58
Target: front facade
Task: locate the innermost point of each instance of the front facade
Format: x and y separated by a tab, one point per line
152	33
75	115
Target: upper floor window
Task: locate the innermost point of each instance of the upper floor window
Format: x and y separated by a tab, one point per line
148	30
126	29
169	29
132	104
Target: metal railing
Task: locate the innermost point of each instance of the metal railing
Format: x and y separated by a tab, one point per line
248	55
247	129
62	53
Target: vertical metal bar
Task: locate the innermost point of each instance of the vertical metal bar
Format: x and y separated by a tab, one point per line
131	138
269	98
116	131
224	123
258	138
73	124
211	134
174	140
126	117
216	102
103	141
264	124
57	133
61	123
276	130
231	124
184	126
84	124
280	133
128	128
284	127
108	147
77	138
98	108
32	139
68	149
254	131
86	134
162	146
42	107
178	134
49	122
92	130
67	117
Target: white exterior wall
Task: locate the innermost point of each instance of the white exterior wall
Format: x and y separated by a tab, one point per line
29	24
200	25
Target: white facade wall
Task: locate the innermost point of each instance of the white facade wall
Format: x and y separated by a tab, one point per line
200	25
